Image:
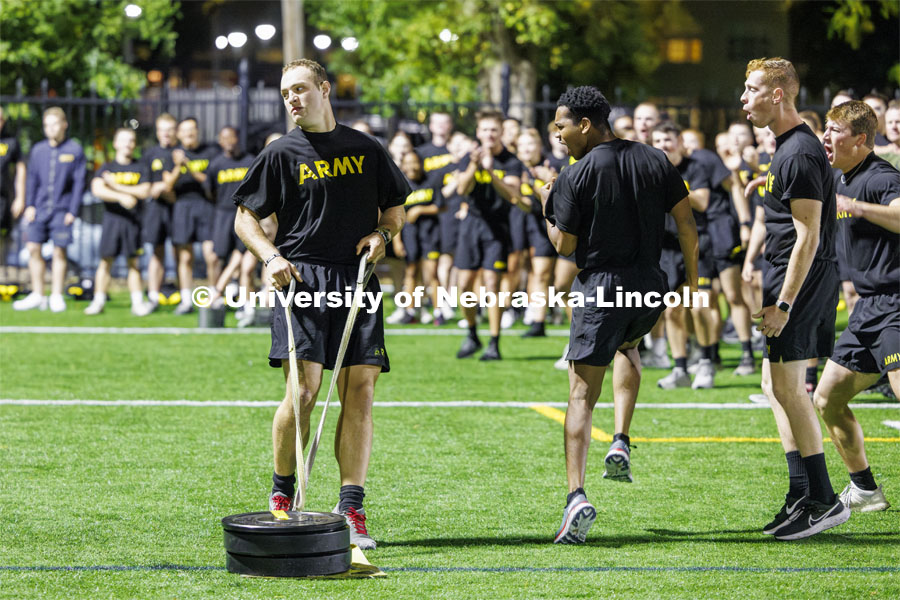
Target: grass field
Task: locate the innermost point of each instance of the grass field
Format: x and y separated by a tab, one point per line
117	500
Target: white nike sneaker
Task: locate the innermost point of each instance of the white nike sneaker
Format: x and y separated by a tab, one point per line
32	301
678	378
652	360
141	309
95	307
861	500
562	364
508	319
57	303
396	317
706	375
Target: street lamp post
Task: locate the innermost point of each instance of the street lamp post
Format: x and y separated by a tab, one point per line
238	40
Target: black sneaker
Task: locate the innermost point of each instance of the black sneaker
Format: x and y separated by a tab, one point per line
469	347
492	353
788	511
536	330
814	517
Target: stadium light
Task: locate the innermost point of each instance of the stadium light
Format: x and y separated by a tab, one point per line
322	41
349	44
133	11
221	42
237	39
265	32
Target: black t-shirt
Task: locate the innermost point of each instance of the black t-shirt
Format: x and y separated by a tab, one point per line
186	186
485	201
799	169
720	205
224	176
441	177
529	189
873	252
757	197
130	174
10	154
423	194
326	189
560	163
433	157
615	200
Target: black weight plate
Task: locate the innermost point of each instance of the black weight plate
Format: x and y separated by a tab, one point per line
325	564
286	544
298	522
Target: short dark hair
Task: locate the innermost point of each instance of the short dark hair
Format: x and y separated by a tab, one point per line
186	119
315	68
587	102
489	113
668	128
858	116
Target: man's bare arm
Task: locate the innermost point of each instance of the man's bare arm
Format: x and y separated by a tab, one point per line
887	217
807	216
687	239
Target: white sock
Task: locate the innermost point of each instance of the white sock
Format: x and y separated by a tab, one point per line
153	296
100	298
659	346
185	296
137	298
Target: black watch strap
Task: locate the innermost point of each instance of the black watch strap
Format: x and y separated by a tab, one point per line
783	306
385	234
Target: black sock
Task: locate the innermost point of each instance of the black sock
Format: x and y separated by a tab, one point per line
799	484
283	484
819	485
623	437
573	494
811	375
495	341
351	497
473	332
864	480
681	363
747	347
707	352
715	355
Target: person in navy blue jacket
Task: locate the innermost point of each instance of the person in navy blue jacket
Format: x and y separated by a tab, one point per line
53	190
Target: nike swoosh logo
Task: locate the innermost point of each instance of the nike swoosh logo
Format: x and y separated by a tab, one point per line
814	521
790	509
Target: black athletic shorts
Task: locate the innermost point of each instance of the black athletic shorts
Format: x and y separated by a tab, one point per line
709	267
449	227
809	332
597	332
318	331
481	246
191	221
871	341
157	222
6	220
422	239
518	238
49	227
121	236
672	264
536	229
225	240
724	236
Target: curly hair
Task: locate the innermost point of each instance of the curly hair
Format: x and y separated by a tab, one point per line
587	102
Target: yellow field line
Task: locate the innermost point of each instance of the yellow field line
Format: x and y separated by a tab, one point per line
601	436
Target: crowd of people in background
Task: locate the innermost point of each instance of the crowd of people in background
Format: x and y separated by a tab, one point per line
464	230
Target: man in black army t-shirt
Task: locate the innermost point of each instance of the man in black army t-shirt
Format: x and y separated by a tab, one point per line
326	184
609	209
800	292
491	177
868	205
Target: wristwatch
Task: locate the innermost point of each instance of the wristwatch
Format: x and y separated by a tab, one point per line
270	259
783	306
746	223
385	234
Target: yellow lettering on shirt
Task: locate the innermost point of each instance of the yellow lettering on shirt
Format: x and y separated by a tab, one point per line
419	197
322	169
231	175
436	162
891	358
844	214
66	158
156	165
770	182
127	177
197	166
4	148
687	185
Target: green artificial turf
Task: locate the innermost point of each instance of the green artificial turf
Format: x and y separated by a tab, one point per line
464	502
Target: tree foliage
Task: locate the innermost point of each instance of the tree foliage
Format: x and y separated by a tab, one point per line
560	43
82	41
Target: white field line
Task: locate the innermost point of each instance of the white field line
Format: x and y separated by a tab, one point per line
389	404
227	331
